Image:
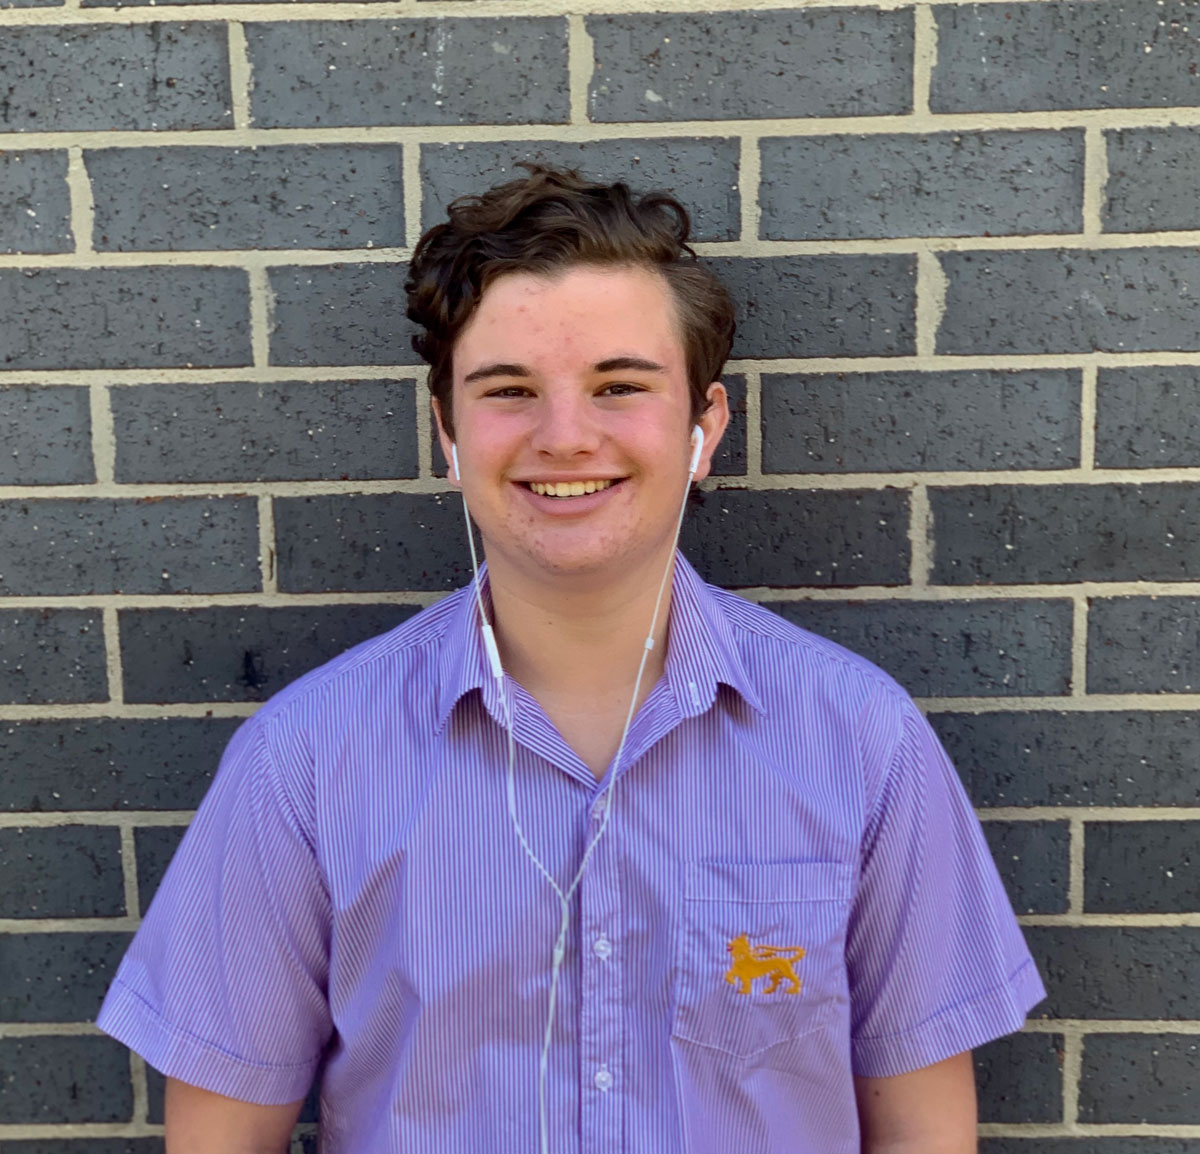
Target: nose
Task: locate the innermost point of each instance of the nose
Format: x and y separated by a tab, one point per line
565	427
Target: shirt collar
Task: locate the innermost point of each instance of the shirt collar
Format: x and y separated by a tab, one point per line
701	653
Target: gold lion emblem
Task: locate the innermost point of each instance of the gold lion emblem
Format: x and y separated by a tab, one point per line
753	962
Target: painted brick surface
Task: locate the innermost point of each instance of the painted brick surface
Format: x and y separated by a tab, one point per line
1041	1145
285	196
1106	54
1142	867
951	648
1148	418
154	847
35	204
719	65
937	184
1020	1078
1032	857
363	72
1152	643
124	317
1152	176
854	537
238	653
51	655
86	1146
1015	534
879	422
87	78
1060	301
64	1080
50	977
152	545
45	435
61	872
241	431
1140	1078
701	171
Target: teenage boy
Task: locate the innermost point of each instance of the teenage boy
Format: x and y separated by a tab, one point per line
545	868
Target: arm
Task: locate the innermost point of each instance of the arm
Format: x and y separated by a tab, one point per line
927	1111
199	1122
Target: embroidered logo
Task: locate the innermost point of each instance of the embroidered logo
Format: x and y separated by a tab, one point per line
753	962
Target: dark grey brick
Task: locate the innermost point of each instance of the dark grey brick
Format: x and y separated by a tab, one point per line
35	204
109	763
1060	301
52	655
239	653
72	1079
86	1145
1019	1078
30	3
240	431
341	314
109	318
1152	178
951	648
1114	972
1058	758
321	73
701	171
154	848
730	65
147	545
371	543
940	184
1015	534
97	77
1140	1078
1032	857
1101	54
1148	417
61	872
1148	867
286	196
57	977
1038	1145
45	435
1144	644
821	306
878	422
792	538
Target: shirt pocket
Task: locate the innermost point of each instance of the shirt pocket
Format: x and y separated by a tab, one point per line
761	952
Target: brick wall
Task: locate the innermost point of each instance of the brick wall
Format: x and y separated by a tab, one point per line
966	244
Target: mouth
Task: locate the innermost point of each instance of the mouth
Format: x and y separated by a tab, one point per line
570	490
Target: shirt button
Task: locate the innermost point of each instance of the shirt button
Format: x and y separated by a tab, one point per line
603	1079
602	948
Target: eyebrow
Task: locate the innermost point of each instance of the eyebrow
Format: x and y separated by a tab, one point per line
612	364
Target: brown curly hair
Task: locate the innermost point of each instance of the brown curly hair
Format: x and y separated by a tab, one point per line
544	223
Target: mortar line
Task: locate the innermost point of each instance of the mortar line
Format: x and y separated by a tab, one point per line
50	1030
241	77
14	1132
754	445
581	66
25	926
1075	859
425	425
114	673
266	545
122	820
920	537
103	439
410	162
1083	813
1112	1026
83	206
261	311
133	904
750	187
924	57
1079	641
1087	417
1072	1034
931	289
1189	920
1095	178
141	1089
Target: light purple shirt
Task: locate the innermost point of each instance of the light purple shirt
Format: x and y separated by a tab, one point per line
352	892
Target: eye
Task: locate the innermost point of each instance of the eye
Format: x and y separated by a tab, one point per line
622	389
508	391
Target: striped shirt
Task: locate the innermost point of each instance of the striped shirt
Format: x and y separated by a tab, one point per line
793	889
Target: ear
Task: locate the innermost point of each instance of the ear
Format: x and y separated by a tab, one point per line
444	439
714	420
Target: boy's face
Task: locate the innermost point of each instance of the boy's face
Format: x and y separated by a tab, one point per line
578	377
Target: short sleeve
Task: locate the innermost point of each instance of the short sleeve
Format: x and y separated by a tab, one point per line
224	985
935	957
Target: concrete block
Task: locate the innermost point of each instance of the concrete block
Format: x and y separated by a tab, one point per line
1032	857
57	977
119	318
35	203
733	65
1148	418
793	538
114	77
1026	56
1062	301
1140	1078
951	648
1148	867
1018	534
51	656
324	73
1144	645
88	1145
148	545
1152	178
67	1079
154	847
1019	1078
240	653
61	872
289	431
937	184
701	171
881	422
324	196
45	435
110	763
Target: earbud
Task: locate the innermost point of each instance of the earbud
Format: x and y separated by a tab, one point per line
454	458
697	448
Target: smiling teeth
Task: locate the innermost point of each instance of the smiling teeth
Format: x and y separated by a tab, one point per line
568	488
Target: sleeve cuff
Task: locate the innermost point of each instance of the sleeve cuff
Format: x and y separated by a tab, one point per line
178	1054
997	1012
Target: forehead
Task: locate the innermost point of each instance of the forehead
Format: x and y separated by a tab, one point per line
583	313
